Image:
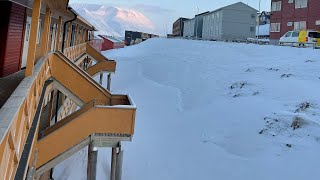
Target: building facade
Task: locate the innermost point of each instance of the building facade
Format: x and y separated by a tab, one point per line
234	22
288	15
134	37
50	105
188	28
177	28
110	42
263	18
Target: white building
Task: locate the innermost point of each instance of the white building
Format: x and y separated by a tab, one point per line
234	22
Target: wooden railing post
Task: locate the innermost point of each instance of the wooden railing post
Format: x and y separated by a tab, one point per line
59	33
69	36
33	37
46	33
77	35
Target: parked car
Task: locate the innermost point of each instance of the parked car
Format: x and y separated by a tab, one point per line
303	37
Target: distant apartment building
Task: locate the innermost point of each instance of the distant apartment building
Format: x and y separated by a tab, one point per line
177	29
234	22
288	15
263	18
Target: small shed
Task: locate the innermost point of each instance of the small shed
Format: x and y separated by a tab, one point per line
110	42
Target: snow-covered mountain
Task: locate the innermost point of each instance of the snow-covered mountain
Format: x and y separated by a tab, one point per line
114	20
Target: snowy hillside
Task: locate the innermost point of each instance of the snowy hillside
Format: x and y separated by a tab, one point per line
113	20
215	110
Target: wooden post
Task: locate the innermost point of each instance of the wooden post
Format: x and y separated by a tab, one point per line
46	33
109	82
77	35
69	36
113	164
51	107
86	36
33	37
101	78
92	162
59	33
119	165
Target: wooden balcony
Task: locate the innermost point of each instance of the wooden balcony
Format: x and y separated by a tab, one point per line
101	112
112	121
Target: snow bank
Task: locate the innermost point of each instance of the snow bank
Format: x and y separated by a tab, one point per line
215	110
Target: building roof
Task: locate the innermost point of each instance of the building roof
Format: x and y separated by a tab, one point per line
112	39
233	5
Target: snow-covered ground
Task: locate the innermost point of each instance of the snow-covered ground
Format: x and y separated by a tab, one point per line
215	110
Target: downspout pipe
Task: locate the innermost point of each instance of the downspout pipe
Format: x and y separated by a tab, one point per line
65	27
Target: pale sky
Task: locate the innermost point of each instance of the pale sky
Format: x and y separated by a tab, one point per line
164	12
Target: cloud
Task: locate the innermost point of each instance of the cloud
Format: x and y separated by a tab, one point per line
152	9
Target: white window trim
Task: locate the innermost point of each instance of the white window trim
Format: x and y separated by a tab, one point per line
276	24
299	4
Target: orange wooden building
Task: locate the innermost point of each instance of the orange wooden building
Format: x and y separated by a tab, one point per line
50	106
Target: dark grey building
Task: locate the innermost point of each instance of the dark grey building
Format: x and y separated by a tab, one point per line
199	24
177	29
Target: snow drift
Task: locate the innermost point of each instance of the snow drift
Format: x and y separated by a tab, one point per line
215	110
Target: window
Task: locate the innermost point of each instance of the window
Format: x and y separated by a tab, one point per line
288	34
39	32
253	16
290	1
289	24
317	22
300	25
251	29
301	4
314	35
275	27
295	34
276	6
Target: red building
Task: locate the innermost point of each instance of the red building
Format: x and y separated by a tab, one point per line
288	15
110	42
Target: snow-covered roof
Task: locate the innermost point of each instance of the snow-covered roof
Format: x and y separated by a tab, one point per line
112	39
264	30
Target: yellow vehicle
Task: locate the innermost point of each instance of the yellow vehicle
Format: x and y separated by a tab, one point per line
309	36
301	38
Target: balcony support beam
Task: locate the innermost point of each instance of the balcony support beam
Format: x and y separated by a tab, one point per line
58	33
113	163
46	32
109	82
101	78
33	37
92	162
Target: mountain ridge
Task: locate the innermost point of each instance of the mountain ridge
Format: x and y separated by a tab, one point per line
111	20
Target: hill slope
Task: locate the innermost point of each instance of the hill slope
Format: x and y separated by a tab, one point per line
215	110
113	20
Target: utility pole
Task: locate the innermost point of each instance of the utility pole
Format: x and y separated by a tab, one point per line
259	20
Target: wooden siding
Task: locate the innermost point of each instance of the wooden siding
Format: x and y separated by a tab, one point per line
12	37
